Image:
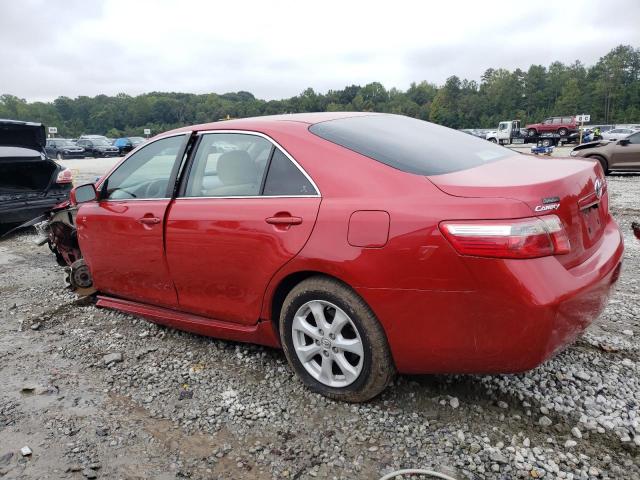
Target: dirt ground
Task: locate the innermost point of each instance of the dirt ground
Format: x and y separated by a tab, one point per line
98	394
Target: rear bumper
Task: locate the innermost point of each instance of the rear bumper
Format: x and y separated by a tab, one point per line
17	211
521	313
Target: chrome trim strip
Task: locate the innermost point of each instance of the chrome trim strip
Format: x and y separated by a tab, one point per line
277	145
249	196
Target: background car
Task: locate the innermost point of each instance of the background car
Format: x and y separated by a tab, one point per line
97	147
622	155
617	133
61	148
30	182
126	144
563	126
311	233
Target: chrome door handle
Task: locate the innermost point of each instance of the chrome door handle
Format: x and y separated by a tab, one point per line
149	220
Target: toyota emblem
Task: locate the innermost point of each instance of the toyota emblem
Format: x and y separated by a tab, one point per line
598	188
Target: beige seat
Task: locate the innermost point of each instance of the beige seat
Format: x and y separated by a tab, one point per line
238	174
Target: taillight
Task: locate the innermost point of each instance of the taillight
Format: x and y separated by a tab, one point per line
523	238
65	176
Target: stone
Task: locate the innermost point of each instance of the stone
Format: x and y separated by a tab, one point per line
112	358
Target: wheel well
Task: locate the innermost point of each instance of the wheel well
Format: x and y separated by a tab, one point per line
283	289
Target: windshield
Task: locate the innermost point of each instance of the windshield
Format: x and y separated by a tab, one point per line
410	145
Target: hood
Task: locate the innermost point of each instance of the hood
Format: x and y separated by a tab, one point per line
597	143
15	133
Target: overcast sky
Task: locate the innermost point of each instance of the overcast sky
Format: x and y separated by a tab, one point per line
276	49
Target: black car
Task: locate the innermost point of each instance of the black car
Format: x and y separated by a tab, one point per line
61	148
97	147
30	182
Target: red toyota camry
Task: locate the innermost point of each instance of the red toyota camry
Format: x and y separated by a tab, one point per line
363	244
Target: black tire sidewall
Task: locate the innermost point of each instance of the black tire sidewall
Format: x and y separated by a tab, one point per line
287	339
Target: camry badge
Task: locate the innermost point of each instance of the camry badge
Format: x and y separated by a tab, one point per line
546	208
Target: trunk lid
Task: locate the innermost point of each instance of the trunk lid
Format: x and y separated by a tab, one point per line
24	172
14	133
574	190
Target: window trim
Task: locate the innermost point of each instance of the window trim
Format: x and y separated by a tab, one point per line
187	170
172	177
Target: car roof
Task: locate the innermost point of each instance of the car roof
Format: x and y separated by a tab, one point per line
251	122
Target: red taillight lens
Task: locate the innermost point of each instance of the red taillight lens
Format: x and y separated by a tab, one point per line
65	176
523	238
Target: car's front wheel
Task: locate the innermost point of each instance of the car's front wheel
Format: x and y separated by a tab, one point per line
603	163
532	132
334	342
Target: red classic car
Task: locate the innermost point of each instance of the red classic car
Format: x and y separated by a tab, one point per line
361	243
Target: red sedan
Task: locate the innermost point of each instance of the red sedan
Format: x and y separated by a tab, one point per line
363	244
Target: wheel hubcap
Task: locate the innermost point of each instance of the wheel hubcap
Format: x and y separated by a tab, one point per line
327	343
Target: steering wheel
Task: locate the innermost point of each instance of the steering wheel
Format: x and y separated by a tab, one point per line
156	189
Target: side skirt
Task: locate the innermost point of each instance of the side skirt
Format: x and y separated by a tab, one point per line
262	333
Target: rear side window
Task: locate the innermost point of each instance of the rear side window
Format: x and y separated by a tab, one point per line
410	145
567	119
284	178
557	121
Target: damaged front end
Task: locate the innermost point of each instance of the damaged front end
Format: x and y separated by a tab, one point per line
58	231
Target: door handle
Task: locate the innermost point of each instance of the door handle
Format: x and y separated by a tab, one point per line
149	220
284	220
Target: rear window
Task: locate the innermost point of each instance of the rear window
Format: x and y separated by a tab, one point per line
410	145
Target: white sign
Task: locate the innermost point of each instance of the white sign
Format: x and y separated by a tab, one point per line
583	118
147	131
53	129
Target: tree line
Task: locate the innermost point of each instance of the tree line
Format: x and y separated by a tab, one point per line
609	91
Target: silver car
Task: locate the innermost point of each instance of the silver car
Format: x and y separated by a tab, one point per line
617	133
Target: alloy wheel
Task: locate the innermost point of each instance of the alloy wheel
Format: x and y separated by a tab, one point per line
327	343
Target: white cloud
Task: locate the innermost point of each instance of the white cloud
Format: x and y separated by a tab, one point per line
276	49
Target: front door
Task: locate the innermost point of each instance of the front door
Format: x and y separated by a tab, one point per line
245	210
121	234
627	157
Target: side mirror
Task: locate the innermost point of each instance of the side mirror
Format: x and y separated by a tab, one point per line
623	142
83	194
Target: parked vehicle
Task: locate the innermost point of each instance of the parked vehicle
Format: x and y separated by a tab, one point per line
617	133
509	132
61	148
563	126
622	155
363	244
97	147
94	137
126	144
30	182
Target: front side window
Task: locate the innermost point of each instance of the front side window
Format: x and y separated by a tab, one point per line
548	121
228	165
635	138
146	173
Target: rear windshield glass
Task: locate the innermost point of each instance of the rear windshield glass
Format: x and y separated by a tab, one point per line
410	145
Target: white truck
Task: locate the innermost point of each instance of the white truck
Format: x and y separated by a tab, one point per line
508	132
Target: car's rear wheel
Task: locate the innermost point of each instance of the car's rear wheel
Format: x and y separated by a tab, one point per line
603	163
531	132
59	156
334	342
563	132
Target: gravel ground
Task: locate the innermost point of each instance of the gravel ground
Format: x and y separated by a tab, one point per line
98	394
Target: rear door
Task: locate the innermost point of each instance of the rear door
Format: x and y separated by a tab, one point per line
121	235
245	208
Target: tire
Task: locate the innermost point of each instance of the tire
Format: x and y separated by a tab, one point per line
315	301
546	142
532	132
603	163
493	140
59	156
563	132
